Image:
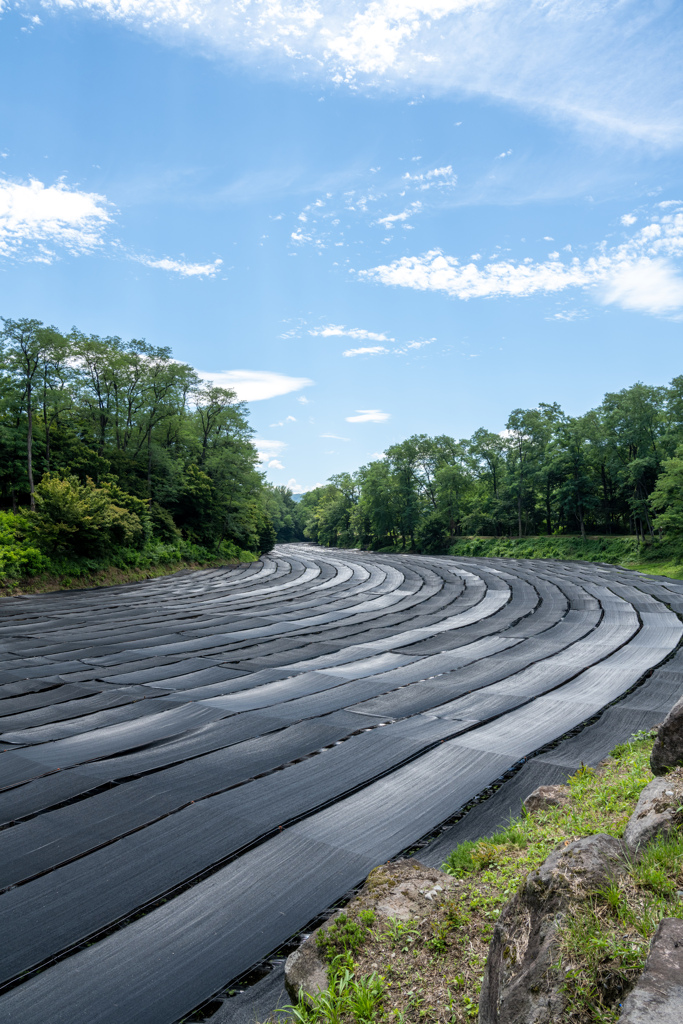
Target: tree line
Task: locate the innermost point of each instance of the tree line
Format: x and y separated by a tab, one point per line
105	441
96	429
618	469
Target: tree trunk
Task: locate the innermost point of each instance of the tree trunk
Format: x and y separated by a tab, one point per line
29	448
47	439
608	518
519	512
149	466
14	500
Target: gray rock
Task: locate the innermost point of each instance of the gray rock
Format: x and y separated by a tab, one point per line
658	995
667	752
521	984
305	969
657	810
545	797
404	889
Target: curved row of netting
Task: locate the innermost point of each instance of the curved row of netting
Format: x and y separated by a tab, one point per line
193	767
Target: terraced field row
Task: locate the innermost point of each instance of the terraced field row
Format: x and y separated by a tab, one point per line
194	767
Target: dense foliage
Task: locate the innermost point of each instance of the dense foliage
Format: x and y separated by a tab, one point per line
616	470
108	445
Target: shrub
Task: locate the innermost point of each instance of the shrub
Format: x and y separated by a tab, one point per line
84	519
17	557
162	524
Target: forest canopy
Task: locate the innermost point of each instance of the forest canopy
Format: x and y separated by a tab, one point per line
616	470
107	443
114	446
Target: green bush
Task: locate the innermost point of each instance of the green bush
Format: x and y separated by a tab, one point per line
162	524
71	517
17	556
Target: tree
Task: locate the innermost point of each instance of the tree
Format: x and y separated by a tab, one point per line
24	347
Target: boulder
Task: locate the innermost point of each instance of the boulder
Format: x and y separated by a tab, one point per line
658	995
522	982
305	969
658	809
667	752
545	797
403	889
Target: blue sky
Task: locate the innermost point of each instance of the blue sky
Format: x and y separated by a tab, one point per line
371	218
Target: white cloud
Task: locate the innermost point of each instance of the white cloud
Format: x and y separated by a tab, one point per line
339	331
628	219
394	218
268	450
501	156
439	177
336	437
645	285
583	61
181	267
275	464
568	315
376	350
368	416
303	400
296	488
255	385
35	216
417	344
641	274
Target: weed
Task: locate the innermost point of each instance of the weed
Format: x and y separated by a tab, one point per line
365	997
345	934
430	969
401	933
472	856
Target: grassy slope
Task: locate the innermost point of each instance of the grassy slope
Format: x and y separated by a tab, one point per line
431	970
664	558
78	578
27	571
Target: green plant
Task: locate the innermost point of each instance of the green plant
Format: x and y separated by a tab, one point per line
346	996
401	932
365	998
85	519
345	934
471	856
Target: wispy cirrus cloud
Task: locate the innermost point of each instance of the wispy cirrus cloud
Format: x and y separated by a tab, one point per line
374	350
182	267
255	385
340	331
368	416
396	218
438	177
585	62
641	274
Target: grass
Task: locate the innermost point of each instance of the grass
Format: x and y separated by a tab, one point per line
660	557
430	968
123	566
